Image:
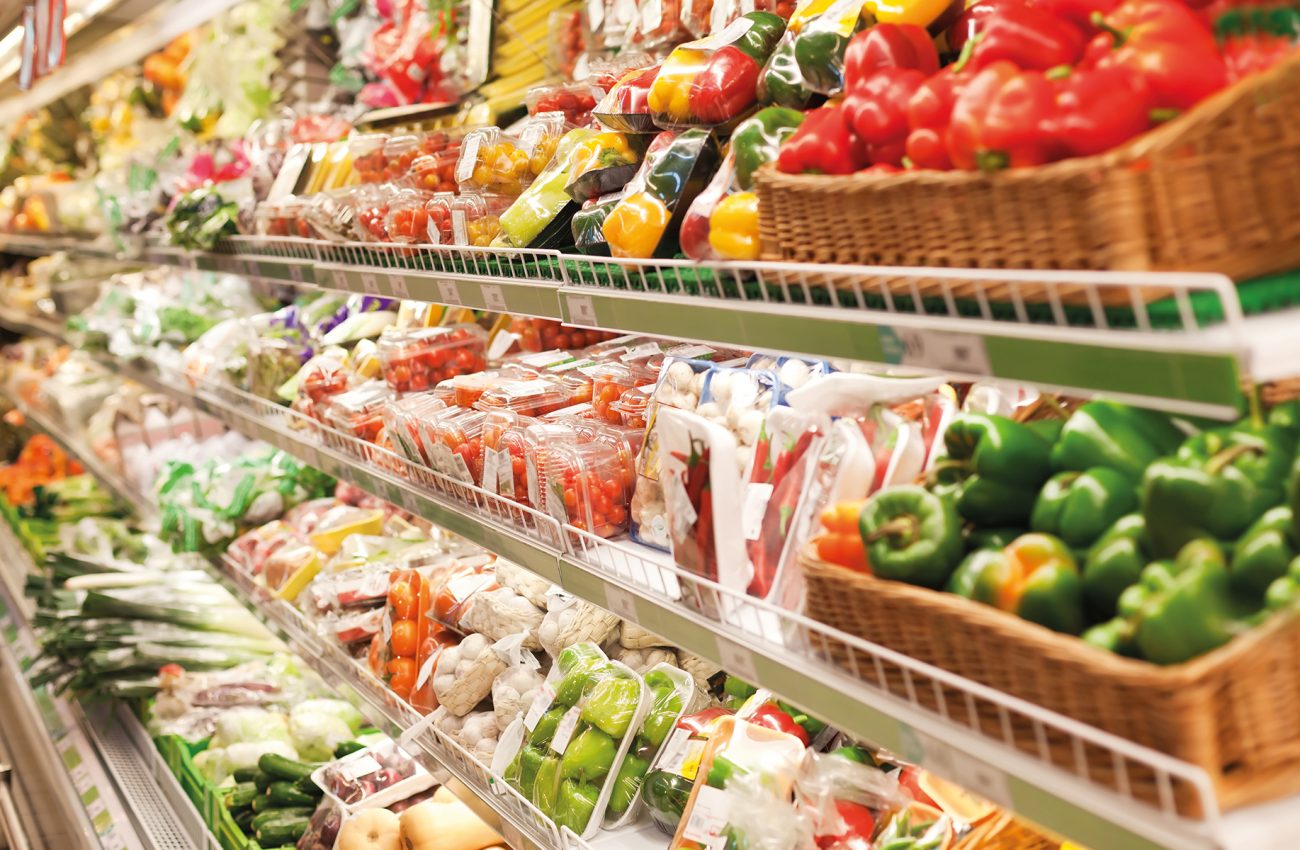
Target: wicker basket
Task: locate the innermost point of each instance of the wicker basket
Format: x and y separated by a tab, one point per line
1006	832
1234	712
1217	189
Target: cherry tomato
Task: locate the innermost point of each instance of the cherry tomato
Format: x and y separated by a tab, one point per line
401	675
404	639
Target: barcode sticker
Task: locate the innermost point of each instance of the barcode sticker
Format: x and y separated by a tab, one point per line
939	350
494	298
581	310
448	292
369	283
399	286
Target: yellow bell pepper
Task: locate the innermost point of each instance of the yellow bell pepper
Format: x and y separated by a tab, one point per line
670	94
919	12
733	227
636	225
601	151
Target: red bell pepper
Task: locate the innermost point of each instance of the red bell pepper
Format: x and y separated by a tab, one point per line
1033	39
1253	52
1005	118
889	46
1078	12
856	826
823	144
876	110
1100	108
725	87
929	114
770	716
1167	45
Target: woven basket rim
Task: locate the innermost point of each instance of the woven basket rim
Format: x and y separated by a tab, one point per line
1154	140
1198	669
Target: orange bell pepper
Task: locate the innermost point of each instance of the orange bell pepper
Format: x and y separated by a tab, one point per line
841	542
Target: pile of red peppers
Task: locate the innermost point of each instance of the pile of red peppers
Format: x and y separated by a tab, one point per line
1029	82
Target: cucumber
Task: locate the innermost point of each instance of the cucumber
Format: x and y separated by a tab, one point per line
246	774
242	796
273	816
306	786
283	768
244	820
286	828
263	780
261	803
284	795
347	748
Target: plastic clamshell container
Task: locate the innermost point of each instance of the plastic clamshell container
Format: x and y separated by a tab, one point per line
476	218
369	165
362	764
400	152
491	161
403	418
539	438
454	443
631	407
532	397
582	410
587	485
357	413
505	471
418	359
610	381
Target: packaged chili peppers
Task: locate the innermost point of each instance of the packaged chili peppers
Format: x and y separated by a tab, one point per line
712	81
675	170
540	216
627	105
604	163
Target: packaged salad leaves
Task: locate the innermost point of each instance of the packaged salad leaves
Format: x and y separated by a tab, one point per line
675	170
626	107
712	81
672	694
604	163
540	216
566	752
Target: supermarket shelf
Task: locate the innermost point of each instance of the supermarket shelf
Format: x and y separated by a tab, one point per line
118	793
1177	341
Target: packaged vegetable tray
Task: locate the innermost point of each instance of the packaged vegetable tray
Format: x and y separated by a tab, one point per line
372	778
604	163
677	167
565	754
418	359
539	218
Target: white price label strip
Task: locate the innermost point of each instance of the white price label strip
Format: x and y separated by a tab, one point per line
340	278
398	283
369	283
448	293
581	310
295	272
494	298
958	767
620	602
940	350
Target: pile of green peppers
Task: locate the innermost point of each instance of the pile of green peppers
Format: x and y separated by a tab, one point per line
1147	537
565	783
666	706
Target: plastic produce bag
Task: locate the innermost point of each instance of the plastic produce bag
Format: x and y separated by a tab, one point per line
820	46
464	674
672	693
526	584
515	689
477	732
541	214
566	752
626	107
571	620
667	785
676	169
712	81
632	636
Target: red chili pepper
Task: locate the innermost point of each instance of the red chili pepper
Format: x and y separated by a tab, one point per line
1033	39
1167	45
770	716
724	88
1006	118
1248	54
1100	109
823	144
876	110
929	114
889	46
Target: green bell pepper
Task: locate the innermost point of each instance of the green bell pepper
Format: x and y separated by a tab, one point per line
1284	592
589	756
1286	415
1263	553
1049	429
991	538
1114	635
737	690
666	795
911	535
1115	563
546	787
760	39
1116	436
611	704
820	46
721	771
1218	483
803	719
576	805
580	679
627	783
1078	507
523	770
544	731
758	140
1037	579
968	571
996	467
781	83
1184	608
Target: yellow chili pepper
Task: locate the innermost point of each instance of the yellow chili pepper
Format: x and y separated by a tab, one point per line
919	12
636	225
733	227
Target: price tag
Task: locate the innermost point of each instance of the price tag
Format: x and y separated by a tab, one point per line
494	298
956	766
939	350
398	283
581	310
448	293
340	278
369	284
737	659
620	602
295	272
